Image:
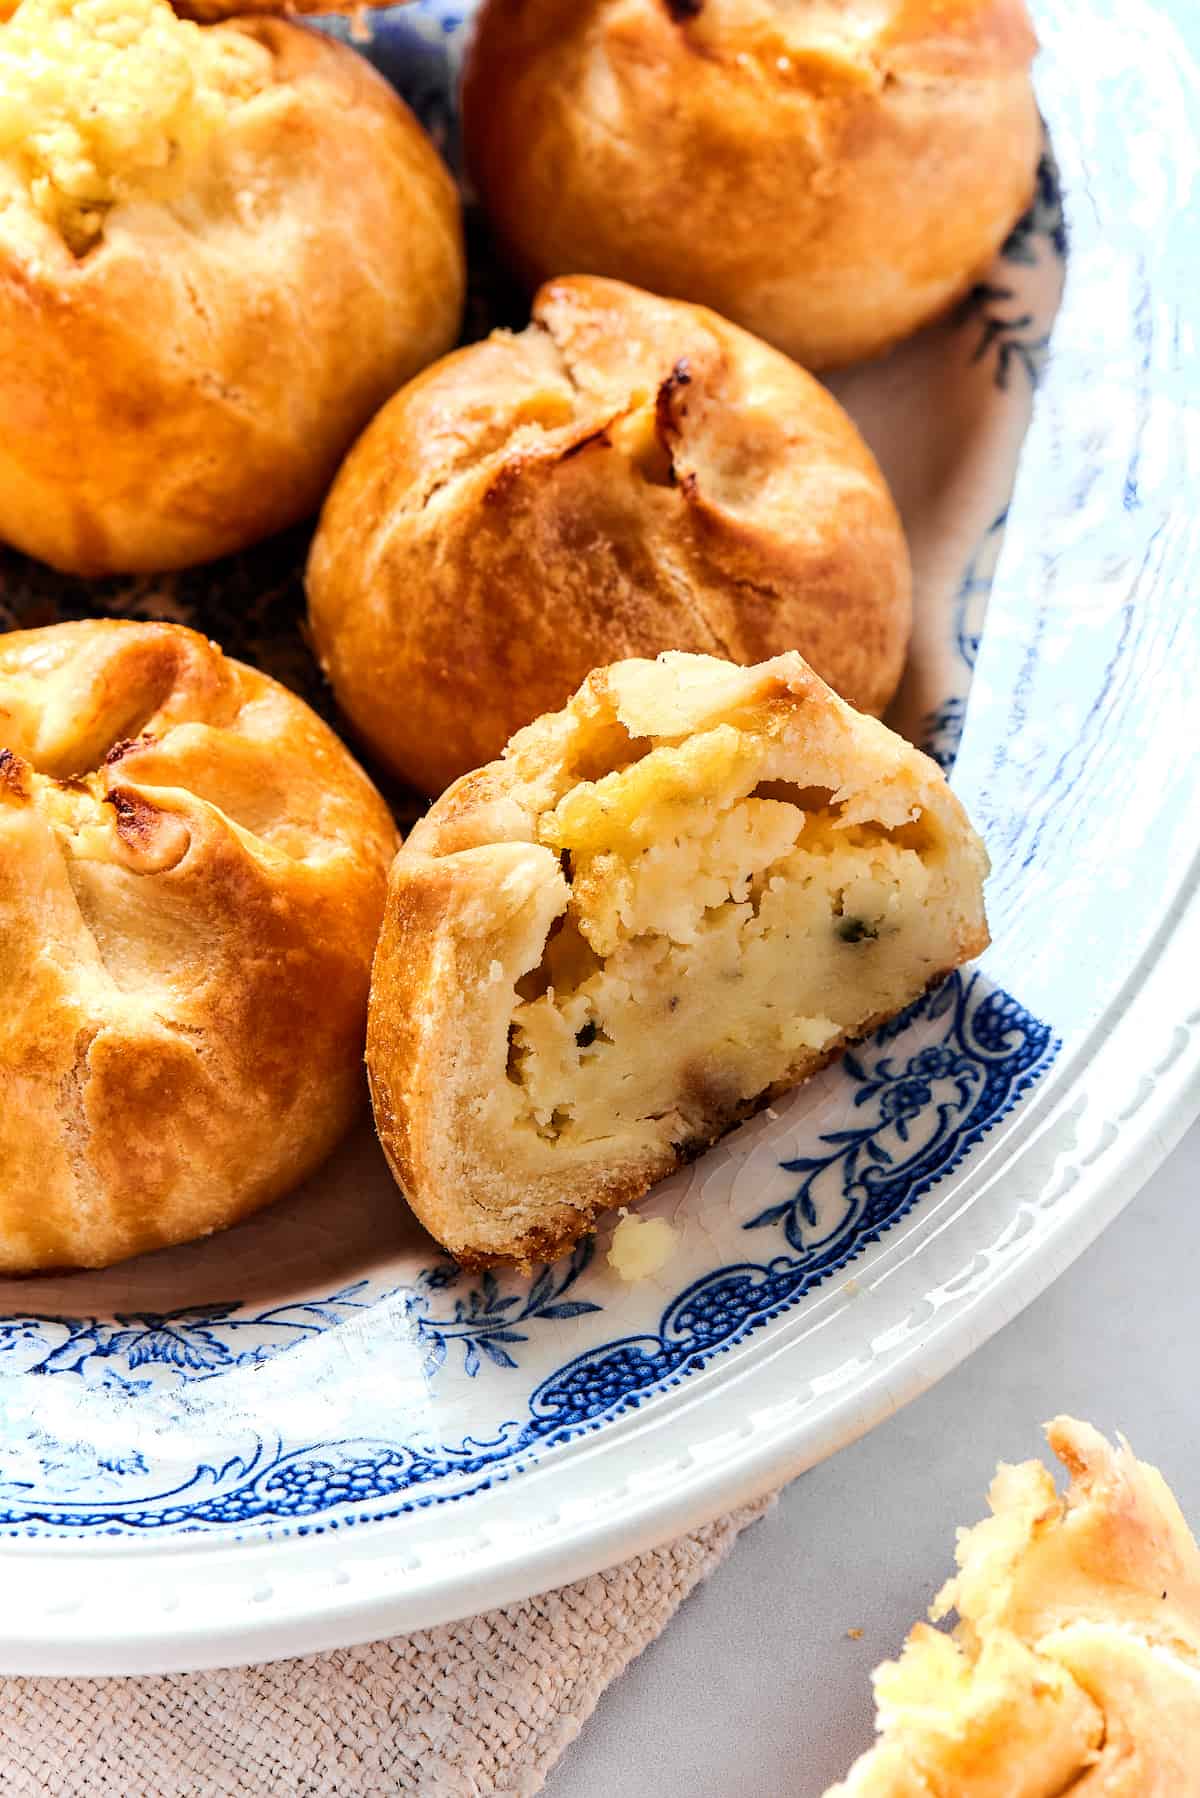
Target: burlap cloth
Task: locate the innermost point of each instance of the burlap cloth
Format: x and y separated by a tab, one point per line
469	1710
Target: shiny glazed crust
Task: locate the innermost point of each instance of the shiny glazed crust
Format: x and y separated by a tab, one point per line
482	892
191	383
192	873
831	175
1075	1666
626	476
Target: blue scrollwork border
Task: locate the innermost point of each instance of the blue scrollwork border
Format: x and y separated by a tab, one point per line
917	1114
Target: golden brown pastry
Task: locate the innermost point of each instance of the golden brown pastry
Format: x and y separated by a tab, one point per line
829	173
192	874
208	12
1075	1665
625	476
669	902
221	248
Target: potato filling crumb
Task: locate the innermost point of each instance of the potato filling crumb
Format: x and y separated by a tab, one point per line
641	1247
740	932
110	100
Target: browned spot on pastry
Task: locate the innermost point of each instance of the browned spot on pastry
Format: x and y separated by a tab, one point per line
126	744
683	10
708	1090
543	1243
668	409
14	773
691	1149
504	480
158	841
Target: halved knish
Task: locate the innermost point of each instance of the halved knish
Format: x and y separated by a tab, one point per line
666	904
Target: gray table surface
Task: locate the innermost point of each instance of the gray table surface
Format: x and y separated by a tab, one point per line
756	1690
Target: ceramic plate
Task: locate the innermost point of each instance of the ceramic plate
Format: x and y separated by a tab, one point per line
316	1430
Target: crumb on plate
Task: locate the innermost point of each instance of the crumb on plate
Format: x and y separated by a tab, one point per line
641	1246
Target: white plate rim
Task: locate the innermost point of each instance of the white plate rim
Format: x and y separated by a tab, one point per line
82	1608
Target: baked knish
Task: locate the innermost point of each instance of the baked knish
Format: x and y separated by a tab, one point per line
669	902
221	248
831	175
627	475
192	875
1075	1664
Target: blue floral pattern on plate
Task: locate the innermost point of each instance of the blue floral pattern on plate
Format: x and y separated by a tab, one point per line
197	1342
927	1088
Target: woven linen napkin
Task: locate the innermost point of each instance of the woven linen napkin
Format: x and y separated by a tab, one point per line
477	1709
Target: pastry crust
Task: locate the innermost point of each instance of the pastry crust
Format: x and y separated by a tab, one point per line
212	12
1076	1661
667	903
831	176
626	476
192	874
186	364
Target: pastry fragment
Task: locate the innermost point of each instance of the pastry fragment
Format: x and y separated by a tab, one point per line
670	901
626	475
221	249
192	874
830	174
1075	1663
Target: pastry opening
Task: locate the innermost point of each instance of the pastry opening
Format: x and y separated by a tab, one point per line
809	799
157	711
608	750
103	101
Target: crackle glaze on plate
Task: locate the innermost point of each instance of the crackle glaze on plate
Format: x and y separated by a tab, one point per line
315	1430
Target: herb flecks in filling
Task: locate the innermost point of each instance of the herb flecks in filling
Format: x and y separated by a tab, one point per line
701	957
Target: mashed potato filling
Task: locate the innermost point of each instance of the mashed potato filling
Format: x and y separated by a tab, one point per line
728	924
109	100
